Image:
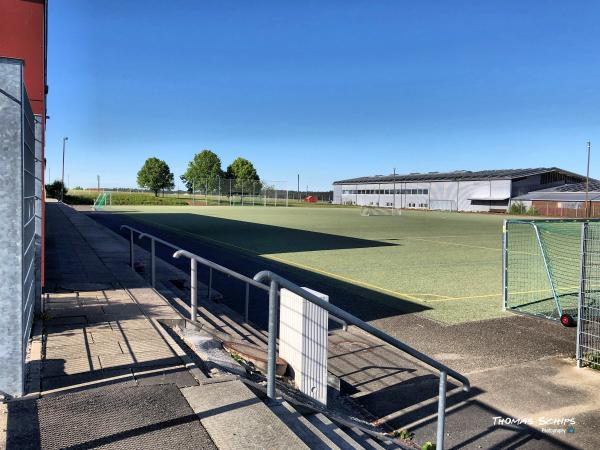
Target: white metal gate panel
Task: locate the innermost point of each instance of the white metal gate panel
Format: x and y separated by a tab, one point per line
303	342
588	323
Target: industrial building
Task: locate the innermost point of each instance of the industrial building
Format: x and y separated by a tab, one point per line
567	200
461	190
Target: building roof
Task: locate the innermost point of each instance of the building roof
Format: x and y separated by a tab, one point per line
573	192
460	175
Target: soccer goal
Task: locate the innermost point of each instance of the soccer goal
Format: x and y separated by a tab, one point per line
366	211
542	268
103	200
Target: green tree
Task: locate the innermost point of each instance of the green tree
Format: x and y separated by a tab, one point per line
54	189
243	172
155	175
204	169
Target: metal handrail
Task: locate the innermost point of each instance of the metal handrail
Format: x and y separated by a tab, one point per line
194	260
153	240
194	272
249	281
276	282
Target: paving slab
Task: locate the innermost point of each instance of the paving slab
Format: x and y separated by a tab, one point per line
235	418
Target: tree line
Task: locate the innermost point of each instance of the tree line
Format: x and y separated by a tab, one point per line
155	175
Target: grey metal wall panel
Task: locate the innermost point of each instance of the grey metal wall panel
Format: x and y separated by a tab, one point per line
29	201
11	228
470	189
39	168
337	194
500	188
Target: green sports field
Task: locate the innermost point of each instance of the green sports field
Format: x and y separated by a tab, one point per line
450	262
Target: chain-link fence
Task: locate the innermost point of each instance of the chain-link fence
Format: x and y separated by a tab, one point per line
204	192
588	325
224	191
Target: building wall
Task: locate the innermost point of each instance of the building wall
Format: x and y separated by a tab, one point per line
17	226
442	195
23	34
337	194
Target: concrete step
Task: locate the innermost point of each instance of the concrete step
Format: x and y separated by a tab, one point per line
235	418
367	441
302	427
217	315
318	431
334	432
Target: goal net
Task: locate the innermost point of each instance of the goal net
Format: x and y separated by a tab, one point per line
103	200
378	211
541	262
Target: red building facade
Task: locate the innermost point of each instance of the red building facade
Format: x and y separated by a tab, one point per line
23	35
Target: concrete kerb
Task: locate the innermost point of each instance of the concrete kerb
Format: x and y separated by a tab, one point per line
34	361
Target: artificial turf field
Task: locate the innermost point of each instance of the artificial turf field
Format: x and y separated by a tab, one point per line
449	262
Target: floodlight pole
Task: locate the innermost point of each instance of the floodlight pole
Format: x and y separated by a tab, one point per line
587	181
62	189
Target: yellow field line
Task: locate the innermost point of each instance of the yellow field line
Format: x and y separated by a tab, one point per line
352	280
537	291
301	266
448	236
458	245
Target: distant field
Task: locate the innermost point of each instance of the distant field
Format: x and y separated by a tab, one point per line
122	198
450	262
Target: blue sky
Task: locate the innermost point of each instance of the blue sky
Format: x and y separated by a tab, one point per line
329	90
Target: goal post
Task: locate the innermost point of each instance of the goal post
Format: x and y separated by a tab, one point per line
541	267
103	200
367	211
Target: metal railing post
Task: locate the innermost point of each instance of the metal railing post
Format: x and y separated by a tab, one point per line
504	265
547	267
272	350
582	291
131	258
247	301
441	420
194	289
153	262
210	275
